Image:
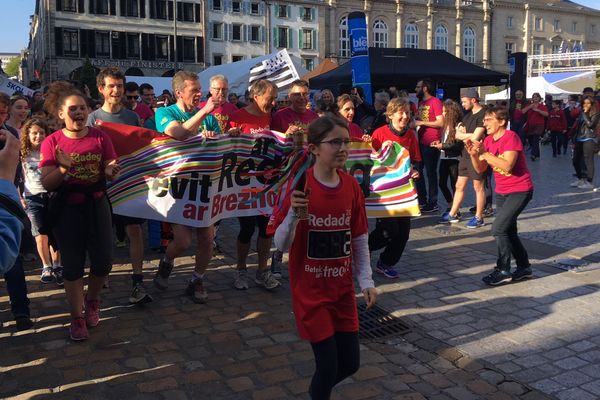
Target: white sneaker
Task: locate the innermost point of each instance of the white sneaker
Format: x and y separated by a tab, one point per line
241	279
266	280
576	183
585	185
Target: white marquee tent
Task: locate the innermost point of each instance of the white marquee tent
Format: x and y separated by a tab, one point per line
237	74
534	84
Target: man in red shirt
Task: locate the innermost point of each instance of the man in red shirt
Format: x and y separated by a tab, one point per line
296	116
132	97
557	125
429	123
219	87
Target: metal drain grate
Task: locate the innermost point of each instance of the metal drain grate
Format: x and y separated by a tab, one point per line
377	323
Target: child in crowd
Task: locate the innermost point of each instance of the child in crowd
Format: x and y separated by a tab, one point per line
76	162
35	199
324	254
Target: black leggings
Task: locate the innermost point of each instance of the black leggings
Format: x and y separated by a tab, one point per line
584	156
391	233
336	358
448	169
248	225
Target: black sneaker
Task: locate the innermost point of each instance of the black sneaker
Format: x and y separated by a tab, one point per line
430	208
161	279
522	273
139	295
497	278
473	209
23	323
57	272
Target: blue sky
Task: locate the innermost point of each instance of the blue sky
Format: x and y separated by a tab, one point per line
15	25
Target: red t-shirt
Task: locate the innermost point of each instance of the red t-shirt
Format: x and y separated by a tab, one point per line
143	111
557	122
356	132
408	141
320	263
222	113
286	117
89	155
428	111
519	180
517	113
249	123
535	119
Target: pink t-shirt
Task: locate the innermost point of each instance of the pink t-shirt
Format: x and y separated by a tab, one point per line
249	123
519	179
286	117
222	113
89	155
143	111
356	133
428	111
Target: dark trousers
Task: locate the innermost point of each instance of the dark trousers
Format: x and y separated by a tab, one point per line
557	140
504	230
336	358
534	145
17	289
584	156
448	170
391	233
428	170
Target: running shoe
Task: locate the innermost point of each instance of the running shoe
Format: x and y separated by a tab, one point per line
585	185
448	219
276	260
430	208
475	223
195	290
266	280
92	312
57	272
497	278
387	270
522	273
161	279
241	279
78	330
139	295
46	276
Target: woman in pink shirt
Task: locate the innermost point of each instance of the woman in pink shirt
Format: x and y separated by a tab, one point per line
502	150
536	122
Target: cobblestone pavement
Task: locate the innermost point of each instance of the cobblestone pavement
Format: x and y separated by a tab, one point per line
532	340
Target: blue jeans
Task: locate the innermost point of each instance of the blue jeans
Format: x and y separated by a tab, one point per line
430	156
504	230
17	289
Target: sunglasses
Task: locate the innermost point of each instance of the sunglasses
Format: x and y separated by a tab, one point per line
133	97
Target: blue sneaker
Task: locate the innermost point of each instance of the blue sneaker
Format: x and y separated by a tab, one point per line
386	270
475	223
497	278
449	219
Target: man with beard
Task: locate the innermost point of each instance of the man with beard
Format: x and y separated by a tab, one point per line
181	121
111	85
429	123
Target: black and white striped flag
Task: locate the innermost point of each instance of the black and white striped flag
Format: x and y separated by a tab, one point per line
278	69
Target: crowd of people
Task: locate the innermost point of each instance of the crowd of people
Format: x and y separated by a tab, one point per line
55	165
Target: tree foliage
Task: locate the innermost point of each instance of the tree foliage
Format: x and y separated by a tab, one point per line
88	77
12	67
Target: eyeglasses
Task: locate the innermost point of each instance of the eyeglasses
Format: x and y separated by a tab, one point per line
133	97
299	94
216	89
337	142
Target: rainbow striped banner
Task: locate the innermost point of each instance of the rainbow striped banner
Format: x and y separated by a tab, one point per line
199	181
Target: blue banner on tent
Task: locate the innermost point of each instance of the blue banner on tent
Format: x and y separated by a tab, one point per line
359	46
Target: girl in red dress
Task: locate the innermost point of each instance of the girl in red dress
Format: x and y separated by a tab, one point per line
327	250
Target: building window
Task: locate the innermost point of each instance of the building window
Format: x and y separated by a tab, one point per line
131	8
592	29
99	7
70	5
306	13
189	49
282	37
236	6
537	49
306	39
188	13
574	26
556	49
539	24
255	33
162	47
380	34
309	63
510	48
441	38
556	25
218	31
236	32
411	36
469	45
254	8
102	44
236	58
217	59
133	45
70	43
344	40
217	6
283	11
509	22
161	9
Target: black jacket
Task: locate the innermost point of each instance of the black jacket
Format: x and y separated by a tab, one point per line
586	126
453	149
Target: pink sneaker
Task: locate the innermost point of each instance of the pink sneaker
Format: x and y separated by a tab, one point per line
78	330
92	312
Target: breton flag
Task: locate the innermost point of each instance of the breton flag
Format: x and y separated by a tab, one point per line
278	69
